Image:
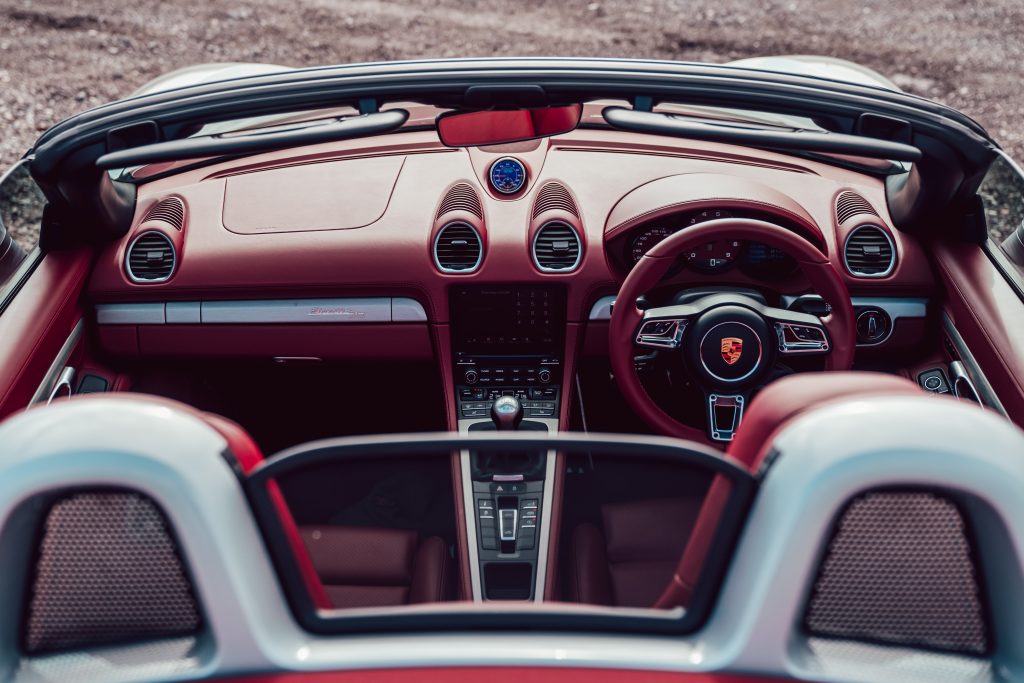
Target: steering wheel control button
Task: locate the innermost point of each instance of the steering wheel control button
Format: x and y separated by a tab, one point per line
873	326
795	338
731	351
724	415
661	334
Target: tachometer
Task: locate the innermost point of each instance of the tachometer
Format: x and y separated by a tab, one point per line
647	239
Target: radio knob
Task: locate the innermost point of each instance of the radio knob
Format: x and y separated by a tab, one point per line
471	376
544	376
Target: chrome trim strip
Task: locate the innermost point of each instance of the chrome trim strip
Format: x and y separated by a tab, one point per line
130	314
316	311
982	387
183	313
60	361
892	246
297	311
406	310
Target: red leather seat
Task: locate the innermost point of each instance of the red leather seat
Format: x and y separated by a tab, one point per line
341	566
364	567
600	569
630	560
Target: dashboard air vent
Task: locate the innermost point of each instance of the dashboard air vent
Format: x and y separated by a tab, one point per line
150	258
554	196
170	211
458	249
461	197
849	204
869	252
556	248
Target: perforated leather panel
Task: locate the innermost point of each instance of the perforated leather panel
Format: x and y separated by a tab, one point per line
899	570
108	571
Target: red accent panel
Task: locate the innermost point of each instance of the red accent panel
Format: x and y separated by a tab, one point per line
500	675
37	323
291	530
770	412
241	445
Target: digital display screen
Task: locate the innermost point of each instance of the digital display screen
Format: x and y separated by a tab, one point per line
508	319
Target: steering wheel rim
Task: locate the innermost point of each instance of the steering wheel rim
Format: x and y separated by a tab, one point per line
655	264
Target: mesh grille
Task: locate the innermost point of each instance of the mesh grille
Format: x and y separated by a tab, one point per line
108	572
899	570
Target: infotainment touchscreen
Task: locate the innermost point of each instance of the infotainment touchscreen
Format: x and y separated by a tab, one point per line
508	319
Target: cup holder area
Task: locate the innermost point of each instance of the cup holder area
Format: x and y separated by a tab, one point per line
508	581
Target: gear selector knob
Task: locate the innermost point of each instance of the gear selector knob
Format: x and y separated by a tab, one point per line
507	413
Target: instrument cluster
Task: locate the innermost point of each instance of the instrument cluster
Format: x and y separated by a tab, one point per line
755	259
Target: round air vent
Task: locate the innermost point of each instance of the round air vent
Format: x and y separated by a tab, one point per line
869	252
150	258
556	248
458	249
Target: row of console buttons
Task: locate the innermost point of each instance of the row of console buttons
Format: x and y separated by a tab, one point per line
525	517
475	409
533	393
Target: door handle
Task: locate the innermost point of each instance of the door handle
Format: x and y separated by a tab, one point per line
64	386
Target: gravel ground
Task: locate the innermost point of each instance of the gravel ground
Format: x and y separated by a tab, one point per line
58	57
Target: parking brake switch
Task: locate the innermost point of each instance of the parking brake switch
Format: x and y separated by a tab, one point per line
508	520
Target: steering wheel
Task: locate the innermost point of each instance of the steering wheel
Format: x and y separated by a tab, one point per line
728	342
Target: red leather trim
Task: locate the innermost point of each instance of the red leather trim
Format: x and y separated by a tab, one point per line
36	324
298	548
241	445
501	675
656	263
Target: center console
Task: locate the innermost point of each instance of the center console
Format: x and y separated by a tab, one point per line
507	346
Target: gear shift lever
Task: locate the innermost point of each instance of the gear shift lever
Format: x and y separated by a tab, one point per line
507	413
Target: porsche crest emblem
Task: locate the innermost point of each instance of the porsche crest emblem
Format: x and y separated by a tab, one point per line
732	349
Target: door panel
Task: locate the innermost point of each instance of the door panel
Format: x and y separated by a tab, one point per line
36	324
987	312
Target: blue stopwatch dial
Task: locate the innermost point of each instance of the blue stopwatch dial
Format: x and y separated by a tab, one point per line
507	175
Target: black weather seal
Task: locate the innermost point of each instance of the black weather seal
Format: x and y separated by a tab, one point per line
255	143
805	141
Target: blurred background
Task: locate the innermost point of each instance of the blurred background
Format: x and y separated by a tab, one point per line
59	57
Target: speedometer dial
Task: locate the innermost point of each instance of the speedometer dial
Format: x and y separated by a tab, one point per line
647	239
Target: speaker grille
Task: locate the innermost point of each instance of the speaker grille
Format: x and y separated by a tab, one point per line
108	571
899	570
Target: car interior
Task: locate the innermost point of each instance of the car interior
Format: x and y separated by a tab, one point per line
508	275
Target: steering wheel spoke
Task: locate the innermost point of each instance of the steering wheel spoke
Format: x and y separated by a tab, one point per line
725	413
798	333
663	328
